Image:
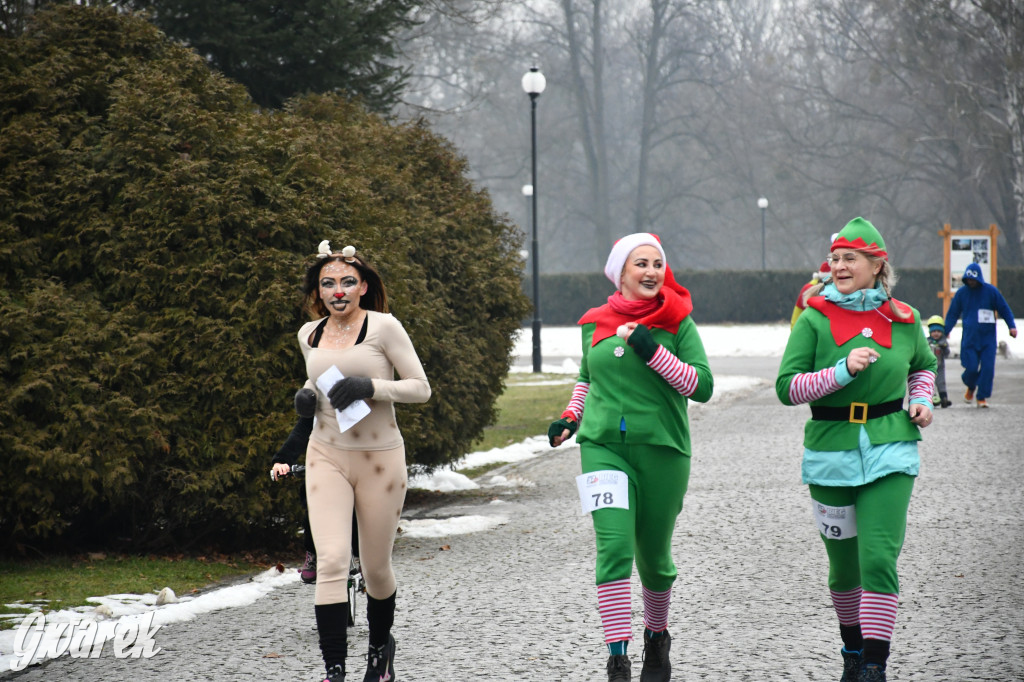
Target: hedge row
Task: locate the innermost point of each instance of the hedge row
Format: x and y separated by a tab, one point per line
746	296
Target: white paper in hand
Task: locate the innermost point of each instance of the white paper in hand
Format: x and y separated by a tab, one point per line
351	415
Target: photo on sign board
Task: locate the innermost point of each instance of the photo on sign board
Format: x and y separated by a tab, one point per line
980	249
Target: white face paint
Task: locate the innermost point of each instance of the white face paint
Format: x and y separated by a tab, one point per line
341	288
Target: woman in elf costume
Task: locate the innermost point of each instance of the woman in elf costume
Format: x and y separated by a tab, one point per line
853	355
642	360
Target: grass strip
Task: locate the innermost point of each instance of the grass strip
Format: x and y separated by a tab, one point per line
526	408
63	582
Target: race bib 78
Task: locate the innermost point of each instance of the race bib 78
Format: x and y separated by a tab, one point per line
601	489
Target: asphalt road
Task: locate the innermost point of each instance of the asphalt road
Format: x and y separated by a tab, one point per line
750	603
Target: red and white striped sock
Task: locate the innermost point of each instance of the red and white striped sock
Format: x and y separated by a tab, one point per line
878	615
613	605
847	605
656	609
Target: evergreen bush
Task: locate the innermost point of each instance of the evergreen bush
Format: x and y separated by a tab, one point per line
154	230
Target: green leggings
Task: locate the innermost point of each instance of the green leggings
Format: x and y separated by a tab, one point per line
658	477
869	559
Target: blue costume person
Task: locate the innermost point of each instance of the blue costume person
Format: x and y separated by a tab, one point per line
977	302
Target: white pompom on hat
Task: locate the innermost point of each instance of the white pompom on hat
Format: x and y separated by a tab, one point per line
621	250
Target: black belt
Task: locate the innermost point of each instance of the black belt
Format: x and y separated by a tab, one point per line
858	413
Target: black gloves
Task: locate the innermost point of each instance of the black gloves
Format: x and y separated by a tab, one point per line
349	390
643	343
557	427
296	442
305	402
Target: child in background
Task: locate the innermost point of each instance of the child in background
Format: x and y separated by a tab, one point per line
940	346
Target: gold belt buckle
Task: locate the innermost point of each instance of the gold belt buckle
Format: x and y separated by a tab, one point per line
853	413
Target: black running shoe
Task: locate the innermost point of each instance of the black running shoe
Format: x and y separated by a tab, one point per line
380	662
657	667
618	668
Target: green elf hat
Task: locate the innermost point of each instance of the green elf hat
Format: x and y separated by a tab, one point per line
861	235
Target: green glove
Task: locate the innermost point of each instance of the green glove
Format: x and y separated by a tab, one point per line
643	343
557	427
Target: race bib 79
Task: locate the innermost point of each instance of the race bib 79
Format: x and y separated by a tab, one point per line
835	523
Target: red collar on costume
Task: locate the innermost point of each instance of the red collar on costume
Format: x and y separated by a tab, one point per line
871	324
675	306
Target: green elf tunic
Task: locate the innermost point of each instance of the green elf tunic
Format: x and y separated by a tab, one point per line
627	395
822	338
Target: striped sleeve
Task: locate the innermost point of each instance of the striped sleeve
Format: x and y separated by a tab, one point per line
921	384
679	375
808	386
574	410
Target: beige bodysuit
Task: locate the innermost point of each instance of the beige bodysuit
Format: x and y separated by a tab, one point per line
364	467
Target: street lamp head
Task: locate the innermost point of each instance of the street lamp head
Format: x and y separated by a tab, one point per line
527	190
534	82
762	203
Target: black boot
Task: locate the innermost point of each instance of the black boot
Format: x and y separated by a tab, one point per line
380	616
619	668
330	625
852	661
336	673
657	667
872	672
944	400
380	662
876	653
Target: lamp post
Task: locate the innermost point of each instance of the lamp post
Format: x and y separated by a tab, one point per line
762	204
528	193
533	84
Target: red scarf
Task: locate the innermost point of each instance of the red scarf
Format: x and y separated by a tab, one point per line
667	312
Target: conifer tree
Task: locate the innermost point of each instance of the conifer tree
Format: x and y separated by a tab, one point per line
154	229
281	49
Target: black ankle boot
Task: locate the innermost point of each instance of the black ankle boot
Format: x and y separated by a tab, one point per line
335	673
852	662
330	625
872	672
380	662
657	667
876	653
619	668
